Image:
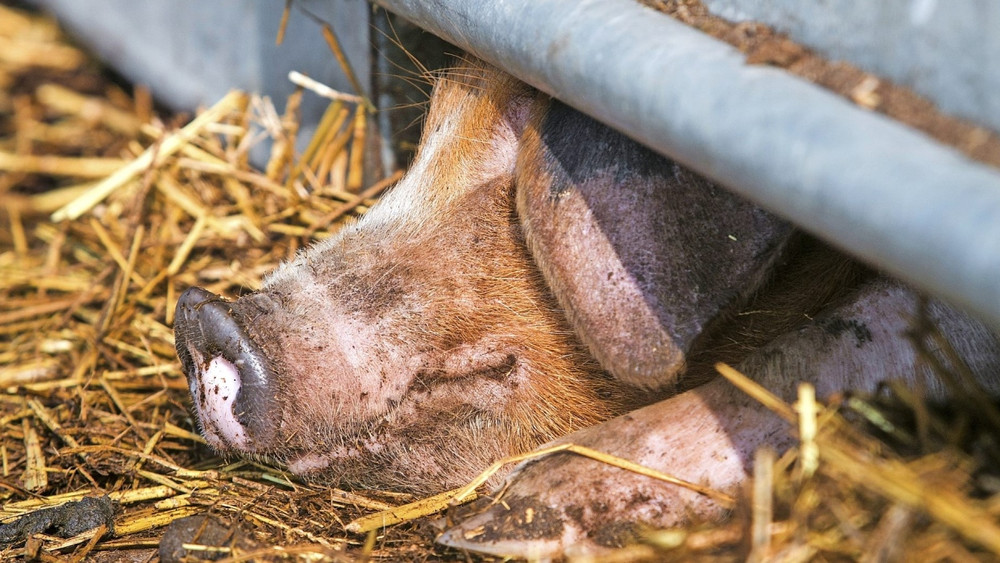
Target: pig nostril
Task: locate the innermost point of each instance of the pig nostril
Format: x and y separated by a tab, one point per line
227	372
220	385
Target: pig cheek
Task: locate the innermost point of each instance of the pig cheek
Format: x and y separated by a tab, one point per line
340	375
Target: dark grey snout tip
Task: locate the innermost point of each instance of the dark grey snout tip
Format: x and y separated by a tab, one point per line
207	326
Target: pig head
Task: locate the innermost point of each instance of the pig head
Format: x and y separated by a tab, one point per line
532	274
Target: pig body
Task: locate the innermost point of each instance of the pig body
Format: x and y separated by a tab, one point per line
536	274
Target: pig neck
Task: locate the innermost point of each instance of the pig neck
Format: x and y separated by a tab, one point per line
812	277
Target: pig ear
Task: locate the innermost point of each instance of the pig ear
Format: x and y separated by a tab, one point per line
641	253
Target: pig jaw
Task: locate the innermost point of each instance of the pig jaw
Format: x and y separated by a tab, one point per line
368	403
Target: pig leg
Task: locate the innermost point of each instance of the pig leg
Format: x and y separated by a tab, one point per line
567	503
643	255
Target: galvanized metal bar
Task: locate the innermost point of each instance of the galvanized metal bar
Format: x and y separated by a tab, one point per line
875	188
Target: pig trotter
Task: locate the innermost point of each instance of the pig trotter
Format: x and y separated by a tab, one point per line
228	376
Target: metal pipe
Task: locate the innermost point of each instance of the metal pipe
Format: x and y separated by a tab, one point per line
871	186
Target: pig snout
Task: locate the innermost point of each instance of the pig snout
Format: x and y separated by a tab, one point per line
228	375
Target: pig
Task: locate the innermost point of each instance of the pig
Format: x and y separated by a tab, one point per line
537	277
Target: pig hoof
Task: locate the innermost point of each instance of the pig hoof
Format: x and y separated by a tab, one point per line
530	524
523	529
228	376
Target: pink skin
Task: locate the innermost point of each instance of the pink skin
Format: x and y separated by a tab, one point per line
533	276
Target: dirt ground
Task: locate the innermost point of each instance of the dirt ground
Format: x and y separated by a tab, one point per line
109	207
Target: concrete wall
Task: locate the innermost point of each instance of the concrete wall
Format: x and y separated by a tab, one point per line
948	51
191	52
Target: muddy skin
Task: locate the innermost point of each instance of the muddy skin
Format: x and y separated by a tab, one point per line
536	277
